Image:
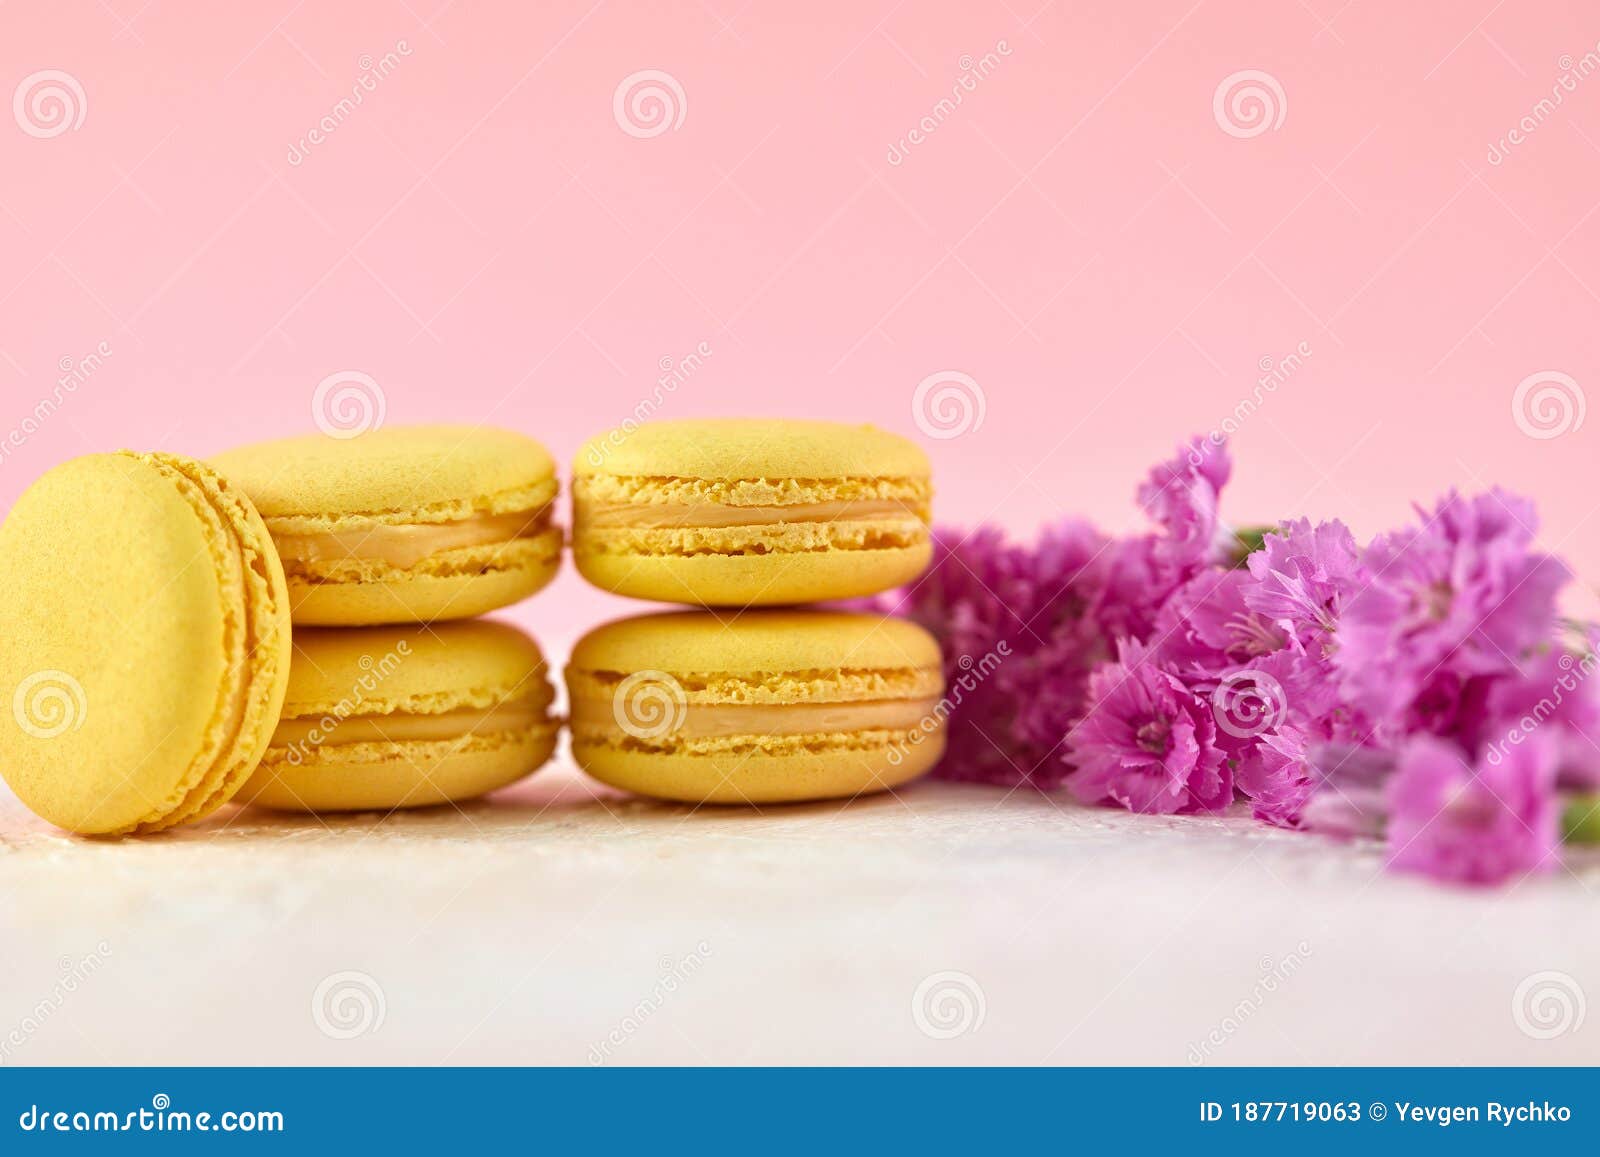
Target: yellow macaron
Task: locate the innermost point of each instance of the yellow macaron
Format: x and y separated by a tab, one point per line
392	717
750	512
404	524
144	643
765	707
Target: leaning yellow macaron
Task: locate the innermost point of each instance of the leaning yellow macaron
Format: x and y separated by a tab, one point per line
144	643
766	707
393	717
404	524
749	512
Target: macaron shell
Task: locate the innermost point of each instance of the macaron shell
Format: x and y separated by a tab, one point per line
755	641
380	673
454	666
760	779
484	579
772	580
143	643
381	777
448	471
261	675
727	448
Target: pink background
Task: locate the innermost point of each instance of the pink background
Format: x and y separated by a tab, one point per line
1080	236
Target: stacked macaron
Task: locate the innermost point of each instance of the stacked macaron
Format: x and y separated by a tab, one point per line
147	628
725	704
292	624
385	540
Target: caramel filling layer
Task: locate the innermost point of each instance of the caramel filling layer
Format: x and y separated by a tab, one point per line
318	732
627	516
716	720
407	544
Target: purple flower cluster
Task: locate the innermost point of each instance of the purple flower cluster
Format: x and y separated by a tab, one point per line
1419	688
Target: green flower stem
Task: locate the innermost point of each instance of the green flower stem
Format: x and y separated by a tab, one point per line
1580	822
1246	541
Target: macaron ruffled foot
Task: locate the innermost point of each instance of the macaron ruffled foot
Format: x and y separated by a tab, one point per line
379	718
751	512
144	643
765	707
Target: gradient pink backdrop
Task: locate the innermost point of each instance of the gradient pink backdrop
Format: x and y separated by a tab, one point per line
1081	237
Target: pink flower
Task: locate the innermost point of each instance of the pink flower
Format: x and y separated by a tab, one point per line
1555	694
1206	629
982	594
1303	575
1349	798
1417	689
1276	777
1148	743
1475	824
1182	496
1463	595
1274	766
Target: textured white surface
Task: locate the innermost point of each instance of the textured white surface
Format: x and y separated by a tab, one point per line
530	927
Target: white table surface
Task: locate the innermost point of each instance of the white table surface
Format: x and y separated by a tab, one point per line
530	927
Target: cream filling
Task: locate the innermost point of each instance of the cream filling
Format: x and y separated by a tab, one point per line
642	516
407	728
406	544
717	720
